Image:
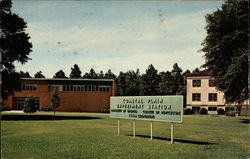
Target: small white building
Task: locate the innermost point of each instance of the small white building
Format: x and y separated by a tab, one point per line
201	93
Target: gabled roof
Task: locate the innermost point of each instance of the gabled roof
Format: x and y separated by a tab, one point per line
201	73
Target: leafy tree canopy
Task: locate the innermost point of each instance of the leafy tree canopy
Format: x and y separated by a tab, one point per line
226	49
39	75
55	100
25	74
150	81
91	75
14	47
196	70
60	74
110	75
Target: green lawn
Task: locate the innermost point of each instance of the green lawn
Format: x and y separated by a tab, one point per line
82	135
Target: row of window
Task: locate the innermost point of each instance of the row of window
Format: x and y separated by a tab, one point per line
79	88
212	97
74	88
197	83
227	109
19	102
29	87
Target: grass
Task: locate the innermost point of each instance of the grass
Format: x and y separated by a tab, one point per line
94	136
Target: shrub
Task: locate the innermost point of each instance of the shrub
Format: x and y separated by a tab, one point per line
188	111
105	111
55	101
46	109
203	111
3	108
220	111
231	113
29	105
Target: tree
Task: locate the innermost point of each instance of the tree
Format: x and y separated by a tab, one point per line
167	84
55	101
121	84
178	78
75	72
128	84
110	75
150	81
101	75
24	74
133	81
91	75
196	70
29	105
39	75
226	49
60	74
14	47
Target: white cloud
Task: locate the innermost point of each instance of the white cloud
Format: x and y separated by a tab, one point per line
121	46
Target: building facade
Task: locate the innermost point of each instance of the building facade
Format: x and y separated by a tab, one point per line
201	93
85	95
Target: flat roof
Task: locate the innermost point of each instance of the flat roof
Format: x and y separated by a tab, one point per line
66	81
201	73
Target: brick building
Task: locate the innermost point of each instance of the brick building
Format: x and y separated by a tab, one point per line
87	95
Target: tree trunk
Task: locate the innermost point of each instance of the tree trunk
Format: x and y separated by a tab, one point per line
239	108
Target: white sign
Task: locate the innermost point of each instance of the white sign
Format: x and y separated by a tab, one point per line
159	108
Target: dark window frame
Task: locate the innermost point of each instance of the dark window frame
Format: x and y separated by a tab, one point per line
212	97
196	97
196	83
211	83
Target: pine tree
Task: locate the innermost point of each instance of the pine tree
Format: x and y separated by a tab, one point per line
75	72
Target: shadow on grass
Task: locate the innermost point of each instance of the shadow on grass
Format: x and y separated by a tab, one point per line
245	121
177	140
46	117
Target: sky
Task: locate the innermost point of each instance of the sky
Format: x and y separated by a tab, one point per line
116	35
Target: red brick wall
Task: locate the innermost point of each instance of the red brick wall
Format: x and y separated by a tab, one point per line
70	101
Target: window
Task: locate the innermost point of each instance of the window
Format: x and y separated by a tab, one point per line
82	88
104	88
89	88
196	97
211	83
54	88
74	88
196	83
29	87
196	109
212	97
19	102
212	108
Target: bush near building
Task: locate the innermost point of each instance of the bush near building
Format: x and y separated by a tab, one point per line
231	113
203	111
221	111
29	105
188	111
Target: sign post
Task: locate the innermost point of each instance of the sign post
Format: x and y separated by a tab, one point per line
134	128
172	133
151	132
118	127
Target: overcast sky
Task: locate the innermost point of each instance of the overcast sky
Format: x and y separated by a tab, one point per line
116	35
